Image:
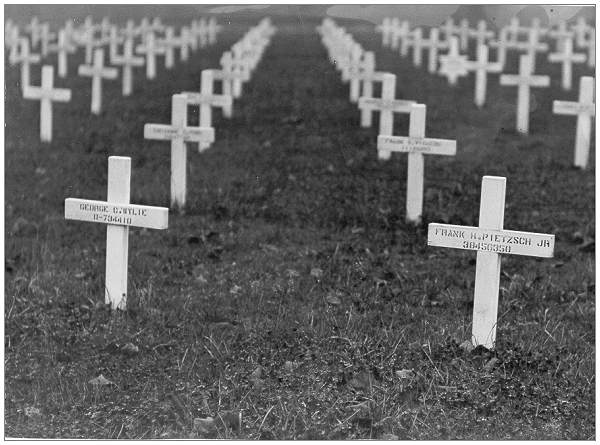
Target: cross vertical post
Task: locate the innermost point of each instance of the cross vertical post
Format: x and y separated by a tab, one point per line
117	237
416	166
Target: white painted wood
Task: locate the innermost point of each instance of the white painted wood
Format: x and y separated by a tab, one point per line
560	34
119	215
178	133
150	49
128	61
463	34
501	45
97	72
416	145
524	81
433	44
387	105
532	46
581	28
490	240
417	46
567	57
592	49
46	94
207	99
453	65
213	29
481	67
500	241
25	58
584	109
398	34
63	48
481	34
168	43
385	30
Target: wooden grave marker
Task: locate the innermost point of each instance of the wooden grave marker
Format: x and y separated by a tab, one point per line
150	49
207	99
387	105
433	45
128	60
97	72
453	65
26	58
119	215
567	57
481	67
416	145
46	94
490	240
417	46
584	109
481	34
524	81
63	48
178	133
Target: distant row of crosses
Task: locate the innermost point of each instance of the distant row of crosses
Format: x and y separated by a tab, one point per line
199	34
489	239
454	65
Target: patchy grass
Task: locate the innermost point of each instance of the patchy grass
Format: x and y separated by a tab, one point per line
291	292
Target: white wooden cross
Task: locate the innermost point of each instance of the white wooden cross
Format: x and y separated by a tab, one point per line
433	44
399	32
524	81
356	72
513	30
91	43
591	46
394	24
207	99
453	65
34	28
463	33
184	40
26	58
387	105
490	240
560	34
481	66
151	49
202	32
386	30
114	40
501	45
584	109
178	133
417	46
168	43
416	145
128	61
11	40
46	38
63	47
481	34
118	215
581	28
448	28
97	72
567	58
367	76
532	46
46	94
212	30
232	73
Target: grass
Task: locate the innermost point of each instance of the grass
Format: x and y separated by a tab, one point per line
292	292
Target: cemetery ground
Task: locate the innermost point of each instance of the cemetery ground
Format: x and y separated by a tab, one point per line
291	300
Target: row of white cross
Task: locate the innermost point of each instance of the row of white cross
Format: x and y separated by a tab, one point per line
454	65
150	46
237	66
489	239
398	34
116	211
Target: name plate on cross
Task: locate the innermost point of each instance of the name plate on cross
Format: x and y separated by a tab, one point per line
118	214
487	240
167	132
216	100
404	144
